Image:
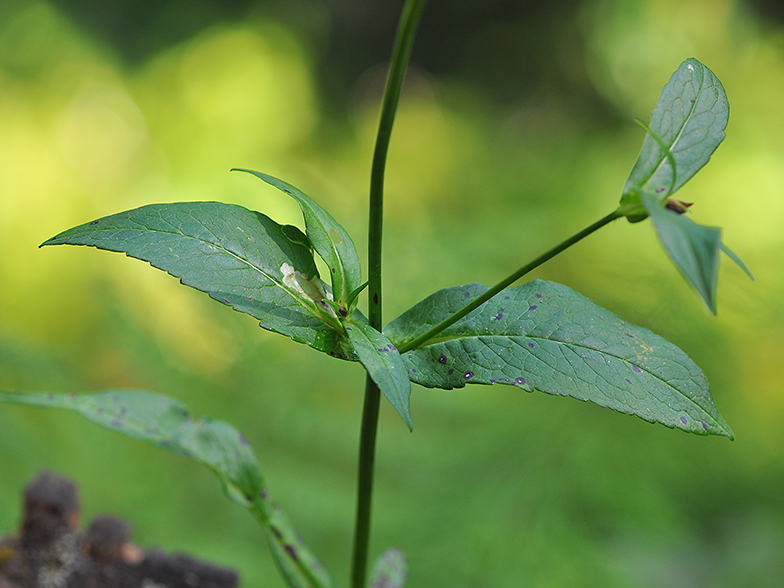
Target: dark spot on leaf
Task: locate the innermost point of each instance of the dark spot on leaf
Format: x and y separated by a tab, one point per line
684	420
287	191
450	372
248	498
520	381
391	347
334	271
413	371
343	311
117	423
442	359
636	369
467	294
500	314
659	190
276	532
123	411
93	223
264	494
704	425
692	100
506	297
383	350
630	335
628	381
468	375
291	550
244	440
538	295
375	298
492	381
533	307
531	345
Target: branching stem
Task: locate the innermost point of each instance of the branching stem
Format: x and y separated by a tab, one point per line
508	281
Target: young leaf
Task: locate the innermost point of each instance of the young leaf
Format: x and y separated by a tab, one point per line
544	336
384	364
690	119
390	570
693	248
167	423
237	256
329	238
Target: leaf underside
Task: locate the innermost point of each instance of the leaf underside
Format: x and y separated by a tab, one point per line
384	364
168	424
544	336
233	254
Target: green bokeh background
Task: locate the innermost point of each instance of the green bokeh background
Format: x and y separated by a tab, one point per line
516	129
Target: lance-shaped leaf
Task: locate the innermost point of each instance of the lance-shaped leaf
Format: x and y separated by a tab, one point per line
168	424
693	248
544	336
239	257
384	364
689	119
329	238
390	570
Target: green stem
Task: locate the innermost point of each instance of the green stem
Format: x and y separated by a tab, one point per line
404	41
479	301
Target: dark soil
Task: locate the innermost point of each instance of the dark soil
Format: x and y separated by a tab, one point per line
49	551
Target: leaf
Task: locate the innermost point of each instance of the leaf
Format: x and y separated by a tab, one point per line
690	119
384	364
544	336
390	570
693	248
329	238
235	255
167	423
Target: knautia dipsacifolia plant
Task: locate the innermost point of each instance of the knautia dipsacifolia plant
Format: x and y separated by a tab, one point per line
536	336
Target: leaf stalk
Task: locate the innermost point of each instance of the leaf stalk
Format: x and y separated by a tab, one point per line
506	282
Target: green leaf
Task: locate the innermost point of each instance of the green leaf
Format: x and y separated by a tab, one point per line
544	336
693	248
239	257
689	119
390	570
329	238
167	423
384	364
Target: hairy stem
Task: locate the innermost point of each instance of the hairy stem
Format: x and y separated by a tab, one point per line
404	41
508	281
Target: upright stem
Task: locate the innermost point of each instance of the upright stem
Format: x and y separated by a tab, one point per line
508	281
404	40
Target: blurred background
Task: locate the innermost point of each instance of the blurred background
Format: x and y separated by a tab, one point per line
516	129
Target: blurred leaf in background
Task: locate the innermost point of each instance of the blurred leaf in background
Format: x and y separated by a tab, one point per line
516	128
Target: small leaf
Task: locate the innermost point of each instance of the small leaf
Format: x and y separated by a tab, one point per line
544	336
329	238
235	255
390	570
384	364
689	119
167	423
731	254
693	248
